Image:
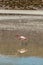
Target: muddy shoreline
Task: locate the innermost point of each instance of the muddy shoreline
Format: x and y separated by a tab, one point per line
9	44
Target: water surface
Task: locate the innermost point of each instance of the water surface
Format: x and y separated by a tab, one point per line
21	60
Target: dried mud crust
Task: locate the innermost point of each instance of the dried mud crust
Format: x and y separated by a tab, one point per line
21	4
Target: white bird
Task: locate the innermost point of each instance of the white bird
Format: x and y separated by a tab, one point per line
22	50
22	37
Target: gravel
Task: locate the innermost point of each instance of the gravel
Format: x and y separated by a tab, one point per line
21	4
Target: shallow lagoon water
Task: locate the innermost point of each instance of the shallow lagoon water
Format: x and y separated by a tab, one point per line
20	60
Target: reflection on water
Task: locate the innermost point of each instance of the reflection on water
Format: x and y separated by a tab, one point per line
20	61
